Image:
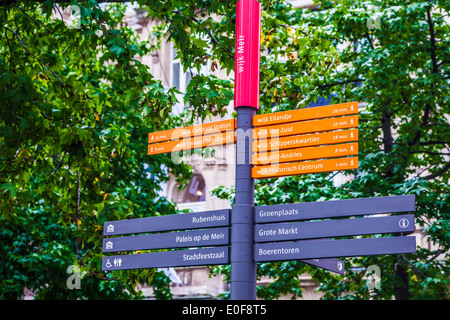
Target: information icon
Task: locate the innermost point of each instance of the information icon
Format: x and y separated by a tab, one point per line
403	223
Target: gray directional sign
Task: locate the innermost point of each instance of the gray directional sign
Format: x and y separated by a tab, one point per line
330	264
316	249
183	239
335	208
196	220
178	258
333	228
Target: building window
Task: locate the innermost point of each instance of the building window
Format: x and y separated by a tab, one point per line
195	191
193	196
179	79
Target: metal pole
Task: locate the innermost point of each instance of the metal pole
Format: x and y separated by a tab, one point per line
246	99
243	267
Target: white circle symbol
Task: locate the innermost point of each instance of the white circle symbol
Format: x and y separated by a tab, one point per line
403	223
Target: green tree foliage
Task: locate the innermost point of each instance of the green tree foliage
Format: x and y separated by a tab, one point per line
399	65
76	107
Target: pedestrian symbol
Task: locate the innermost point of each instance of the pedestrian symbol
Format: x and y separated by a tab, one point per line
118	262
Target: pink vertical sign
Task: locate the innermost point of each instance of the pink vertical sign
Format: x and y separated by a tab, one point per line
248	33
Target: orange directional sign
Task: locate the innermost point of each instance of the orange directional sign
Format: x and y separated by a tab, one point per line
306	114
290	129
305	140
299	154
297	168
220	138
191	131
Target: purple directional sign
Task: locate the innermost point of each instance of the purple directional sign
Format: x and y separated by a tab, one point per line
178	258
334	208
334	228
196	220
183	239
317	249
330	264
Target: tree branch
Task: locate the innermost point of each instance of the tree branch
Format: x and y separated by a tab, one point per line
39	24
432	42
11	66
299	29
370	40
76	219
209	34
437	253
434	70
414	268
442	62
30	53
388	139
425	143
78	192
339	83
58	163
438	173
430	152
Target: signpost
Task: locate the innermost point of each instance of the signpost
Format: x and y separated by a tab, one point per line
196	142
306	114
331	264
213	231
300	154
178	258
271	227
333	248
322	139
289	169
267	165
334	209
289	129
191	131
197	220
167	240
305	140
333	228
